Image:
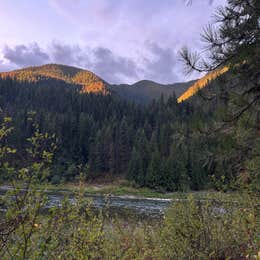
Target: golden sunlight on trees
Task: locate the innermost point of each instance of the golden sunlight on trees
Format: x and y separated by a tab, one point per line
201	83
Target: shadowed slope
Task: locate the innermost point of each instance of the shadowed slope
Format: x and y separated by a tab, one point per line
145	91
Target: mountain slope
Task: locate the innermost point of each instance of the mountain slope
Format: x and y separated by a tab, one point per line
88	81
145	91
141	92
201	83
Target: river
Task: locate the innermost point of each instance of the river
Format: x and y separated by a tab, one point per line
120	205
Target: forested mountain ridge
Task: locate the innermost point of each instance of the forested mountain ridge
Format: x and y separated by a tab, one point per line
105	134
155	145
87	80
143	91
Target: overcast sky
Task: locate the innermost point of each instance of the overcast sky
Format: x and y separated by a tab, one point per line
120	40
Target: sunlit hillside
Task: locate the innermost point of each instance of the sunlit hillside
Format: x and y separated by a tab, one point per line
87	79
201	83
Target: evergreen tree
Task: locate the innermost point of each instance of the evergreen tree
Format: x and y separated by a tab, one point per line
136	168
234	47
124	145
97	155
154	171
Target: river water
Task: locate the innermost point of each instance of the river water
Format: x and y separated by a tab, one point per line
146	207
142	207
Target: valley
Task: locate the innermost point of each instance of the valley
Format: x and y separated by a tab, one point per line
106	152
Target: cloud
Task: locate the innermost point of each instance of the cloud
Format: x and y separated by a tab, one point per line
112	67
163	65
6	67
120	40
22	55
102	61
156	63
68	54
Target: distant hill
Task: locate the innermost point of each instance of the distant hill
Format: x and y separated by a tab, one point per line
88	81
145	91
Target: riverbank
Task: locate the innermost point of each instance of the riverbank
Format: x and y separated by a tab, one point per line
123	189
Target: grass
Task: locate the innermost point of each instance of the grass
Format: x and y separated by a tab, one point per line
125	189
112	189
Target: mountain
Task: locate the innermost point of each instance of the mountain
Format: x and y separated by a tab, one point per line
103	132
110	135
145	91
141	92
87	80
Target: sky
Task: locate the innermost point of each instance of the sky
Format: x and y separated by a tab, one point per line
122	41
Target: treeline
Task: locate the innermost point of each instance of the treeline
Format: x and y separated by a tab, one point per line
156	146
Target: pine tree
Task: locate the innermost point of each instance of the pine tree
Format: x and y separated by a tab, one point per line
177	169
124	145
234	46
85	124
154	171
97	155
136	171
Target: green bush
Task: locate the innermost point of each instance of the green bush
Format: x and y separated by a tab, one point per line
211	229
